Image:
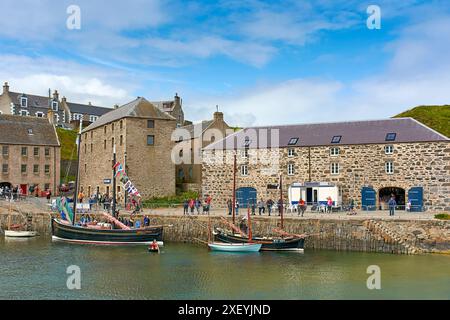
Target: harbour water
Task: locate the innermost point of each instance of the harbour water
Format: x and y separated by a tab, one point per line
36	269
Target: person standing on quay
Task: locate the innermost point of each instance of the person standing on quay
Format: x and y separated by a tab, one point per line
301	207
186	207
261	206
392	204
269	206
198	204
192	205
230	206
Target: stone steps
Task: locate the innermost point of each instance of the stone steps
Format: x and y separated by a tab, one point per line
380	230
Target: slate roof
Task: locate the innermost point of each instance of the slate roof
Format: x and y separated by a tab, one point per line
138	108
87	109
15	130
321	134
33	100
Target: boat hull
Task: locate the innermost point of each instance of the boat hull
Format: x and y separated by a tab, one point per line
235	247
277	244
20	234
81	235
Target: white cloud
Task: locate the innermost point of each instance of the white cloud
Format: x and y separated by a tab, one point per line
77	82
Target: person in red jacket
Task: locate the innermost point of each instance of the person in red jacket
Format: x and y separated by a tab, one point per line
192	205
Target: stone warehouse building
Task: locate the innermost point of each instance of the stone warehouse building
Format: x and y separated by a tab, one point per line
30	154
194	138
367	160
23	104
141	133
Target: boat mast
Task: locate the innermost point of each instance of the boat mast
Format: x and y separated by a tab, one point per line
113	207
249	225
78	174
234	188
281	200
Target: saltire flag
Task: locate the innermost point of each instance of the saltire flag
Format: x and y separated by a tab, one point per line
128	186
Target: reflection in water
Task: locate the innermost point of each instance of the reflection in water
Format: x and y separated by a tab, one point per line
36	269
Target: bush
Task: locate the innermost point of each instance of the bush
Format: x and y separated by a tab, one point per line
442	216
171	200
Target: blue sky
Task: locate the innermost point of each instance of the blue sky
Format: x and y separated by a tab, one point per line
262	62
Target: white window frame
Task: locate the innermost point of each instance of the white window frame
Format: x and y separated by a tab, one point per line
77	116
333	152
389	167
244	170
26	102
290	169
93	118
291	152
56	117
333	167
389	149
21	112
40	114
55	105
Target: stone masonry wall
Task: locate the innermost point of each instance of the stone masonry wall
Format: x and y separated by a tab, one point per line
149	167
415	164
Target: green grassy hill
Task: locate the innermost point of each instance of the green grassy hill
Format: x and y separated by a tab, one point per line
435	117
67	138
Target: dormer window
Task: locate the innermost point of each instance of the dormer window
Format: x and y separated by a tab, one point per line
55	105
93	118
293	141
24	102
39	114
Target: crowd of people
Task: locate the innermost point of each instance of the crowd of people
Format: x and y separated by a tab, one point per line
192	206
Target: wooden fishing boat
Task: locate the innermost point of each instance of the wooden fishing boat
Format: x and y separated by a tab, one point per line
63	231
20	234
268	244
234	247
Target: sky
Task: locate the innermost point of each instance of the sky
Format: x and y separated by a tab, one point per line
261	62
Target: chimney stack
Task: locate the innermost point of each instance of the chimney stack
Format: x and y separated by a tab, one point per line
51	116
55	95
177	99
64	99
218	116
116	106
5	88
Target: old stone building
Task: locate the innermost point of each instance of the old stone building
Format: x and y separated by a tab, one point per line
193	138
367	160
30	105
30	154
141	134
172	107
76	112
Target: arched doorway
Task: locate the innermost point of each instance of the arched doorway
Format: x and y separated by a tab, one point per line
384	194
246	196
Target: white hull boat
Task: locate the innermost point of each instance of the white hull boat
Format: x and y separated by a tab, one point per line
234	247
20	234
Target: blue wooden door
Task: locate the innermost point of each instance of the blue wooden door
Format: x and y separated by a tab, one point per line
246	196
415	195
368	199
